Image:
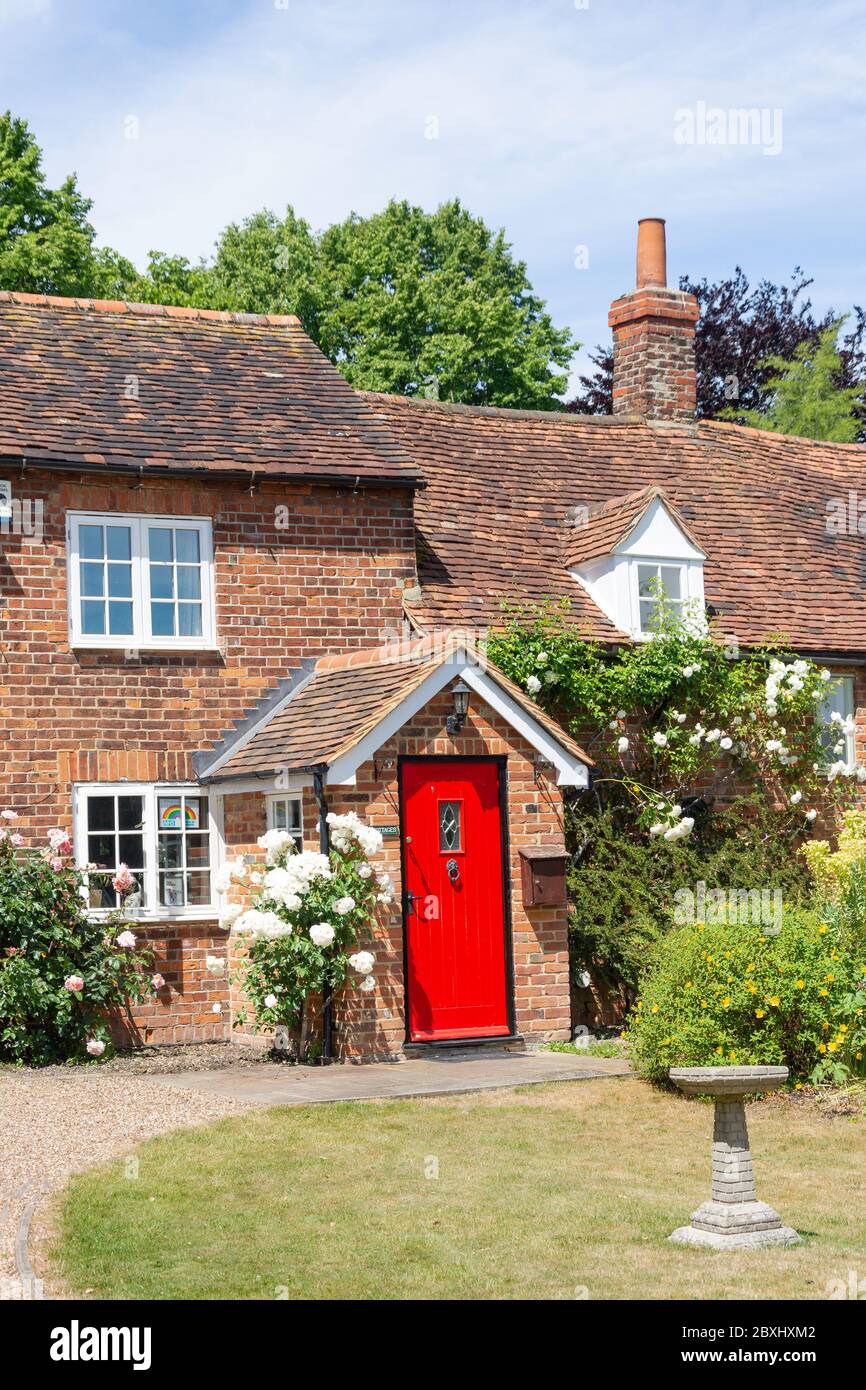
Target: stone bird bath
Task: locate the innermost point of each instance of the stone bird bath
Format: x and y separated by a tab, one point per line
733	1217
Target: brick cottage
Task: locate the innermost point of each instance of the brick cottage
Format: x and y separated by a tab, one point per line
235	593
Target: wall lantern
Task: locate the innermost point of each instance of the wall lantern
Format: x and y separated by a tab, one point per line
460	694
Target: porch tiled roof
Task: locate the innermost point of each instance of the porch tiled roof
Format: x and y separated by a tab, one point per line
92	382
344	699
501	485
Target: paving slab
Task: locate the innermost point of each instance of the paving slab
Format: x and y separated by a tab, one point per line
440	1075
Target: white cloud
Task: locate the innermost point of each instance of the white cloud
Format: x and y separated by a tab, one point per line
18	11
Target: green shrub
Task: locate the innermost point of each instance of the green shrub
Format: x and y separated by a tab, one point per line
48	944
737	995
621	885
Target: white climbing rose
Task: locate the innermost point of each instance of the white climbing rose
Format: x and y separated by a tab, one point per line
322	934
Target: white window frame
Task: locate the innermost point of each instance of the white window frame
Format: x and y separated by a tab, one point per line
272	800
634	587
150	791
140	638
847	707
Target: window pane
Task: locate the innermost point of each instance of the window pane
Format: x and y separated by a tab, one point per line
187	543
92	617
195	811
119	542
119	581
449	825
160	544
294	815
90	542
120	619
197	851
131	851
671	577
170	813
188	582
198	888
278	812
101	850
100	813
839	702
647	575
171	851
161	581
91	579
171	889
189	619
162	619
137	899
101	895
130	812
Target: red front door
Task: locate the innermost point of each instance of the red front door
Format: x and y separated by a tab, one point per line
455	919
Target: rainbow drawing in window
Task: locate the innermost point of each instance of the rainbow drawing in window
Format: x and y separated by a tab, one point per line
176	815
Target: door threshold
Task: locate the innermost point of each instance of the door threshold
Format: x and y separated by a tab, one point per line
511	1042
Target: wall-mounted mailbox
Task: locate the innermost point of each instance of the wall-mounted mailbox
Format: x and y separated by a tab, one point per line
542	874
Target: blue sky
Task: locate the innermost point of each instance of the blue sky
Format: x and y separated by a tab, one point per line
556	120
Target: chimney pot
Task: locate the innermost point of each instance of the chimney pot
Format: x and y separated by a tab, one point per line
651	253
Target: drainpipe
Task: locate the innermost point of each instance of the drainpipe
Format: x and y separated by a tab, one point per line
324	846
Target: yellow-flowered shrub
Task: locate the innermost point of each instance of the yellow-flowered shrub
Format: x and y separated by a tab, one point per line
736	995
831	869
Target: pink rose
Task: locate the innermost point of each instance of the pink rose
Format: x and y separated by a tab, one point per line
9	815
56	865
123	881
157	980
17	840
59	841
11	950
126	939
95	1047
73	983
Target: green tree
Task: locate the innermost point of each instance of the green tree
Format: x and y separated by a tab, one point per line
269	266
46	239
805	397
436	304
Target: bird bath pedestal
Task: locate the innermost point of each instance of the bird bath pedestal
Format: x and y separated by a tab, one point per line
733	1217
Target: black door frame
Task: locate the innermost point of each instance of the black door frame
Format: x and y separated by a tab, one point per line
501	760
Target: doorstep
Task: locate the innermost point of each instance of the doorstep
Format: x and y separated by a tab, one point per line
443	1074
471	1047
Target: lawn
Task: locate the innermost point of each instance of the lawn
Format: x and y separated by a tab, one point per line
551	1192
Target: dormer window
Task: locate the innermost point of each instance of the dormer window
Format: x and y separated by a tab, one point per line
633	553
657	582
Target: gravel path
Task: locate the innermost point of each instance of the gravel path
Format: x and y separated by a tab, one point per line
57	1121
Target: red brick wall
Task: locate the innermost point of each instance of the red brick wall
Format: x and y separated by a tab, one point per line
185	1009
331	581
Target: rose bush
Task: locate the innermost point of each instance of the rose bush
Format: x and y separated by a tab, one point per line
686	709
306	912
62	972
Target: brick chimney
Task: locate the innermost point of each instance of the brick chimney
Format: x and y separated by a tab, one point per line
654	337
